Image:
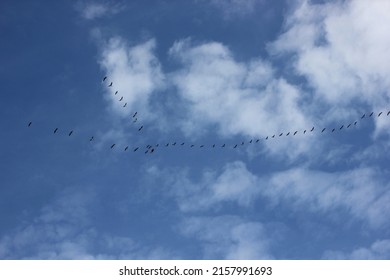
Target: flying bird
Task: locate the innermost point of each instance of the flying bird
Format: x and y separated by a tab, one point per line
116	92
112	146
104	78
388	113
288	134
333	129
223	146
152	150
380	114
55	130
140	128
201	146
363	116
70	133
121	98
323	130
250	141
273	136
257	140
355	123
235	146
126	148
174	144
371	114
135	114
341	127
295	132
157	145
136	149
135	120
110	85
242	143
29	124
266	138
91	139
280	134
312	128
146	151
167	145
304	132
213	145
192	146
349	125
182	144
125	104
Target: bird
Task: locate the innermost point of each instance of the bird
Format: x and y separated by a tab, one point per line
70	133
201	146
167	145
349	125
146	151
112	146
135	114
295	132
213	145
333	129
223	146
135	120
152	150
266	138
250	141
280	134
288	133
363	116
174	144
110	85
126	148
139	129
104	78
257	140
355	123
182	144
380	114
323	130
148	146
242	143
125	104
312	128
235	146
121	98
136	149
29	124
55	130
157	145
304	132
341	127
192	146
371	114
388	113
91	139
273	136
116	92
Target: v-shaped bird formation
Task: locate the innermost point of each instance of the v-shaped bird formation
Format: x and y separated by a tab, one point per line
150	149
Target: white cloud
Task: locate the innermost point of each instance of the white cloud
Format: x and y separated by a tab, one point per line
235	8
93	10
379	250
228	237
342	49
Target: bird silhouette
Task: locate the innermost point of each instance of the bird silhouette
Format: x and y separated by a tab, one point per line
116	92
273	136
333	129
235	146
280	134
341	127
295	132
242	143
91	139
29	124
121	98
135	114
192	146
223	146
201	146
266	138
388	113
182	144
136	149
135	120
70	133
323	130
304	132
125	105
213	145
380	114
349	125
288	134
174	144
257	140
110	85
363	116
112	146
140	128
55	130
126	148
104	78
355	123
152	150
250	141
312	128
371	114
167	145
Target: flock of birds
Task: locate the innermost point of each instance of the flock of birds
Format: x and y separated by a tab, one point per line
151	148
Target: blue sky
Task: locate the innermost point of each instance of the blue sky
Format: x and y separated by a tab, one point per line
201	73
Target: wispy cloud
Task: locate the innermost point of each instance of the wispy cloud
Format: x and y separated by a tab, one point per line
91	10
379	250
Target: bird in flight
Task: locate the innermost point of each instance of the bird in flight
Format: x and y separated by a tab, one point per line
121	98
182	144
223	146
266	138
363	116
116	92
380	114
349	125
371	114
135	149
257	140
295	132
112	146
110	85
125	105
29	124
70	133
140	128
104	78
55	130
323	130
333	129
280	134
91	139
341	127
135	120
135	114
304	132
388	113
288	133
235	146
126	148
312	128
